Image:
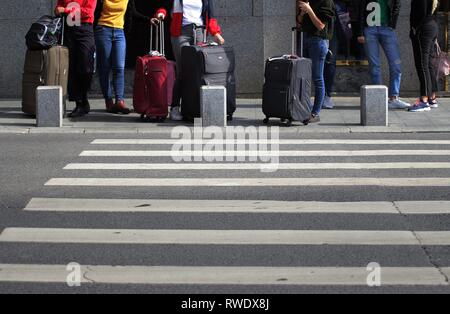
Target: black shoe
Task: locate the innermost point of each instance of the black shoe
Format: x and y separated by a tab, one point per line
80	110
86	105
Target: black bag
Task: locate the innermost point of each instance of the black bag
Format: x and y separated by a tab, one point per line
208	64
44	33
287	87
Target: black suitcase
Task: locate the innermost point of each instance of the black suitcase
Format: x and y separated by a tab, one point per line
207	64
287	87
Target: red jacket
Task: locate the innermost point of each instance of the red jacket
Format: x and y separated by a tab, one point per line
176	8
87	8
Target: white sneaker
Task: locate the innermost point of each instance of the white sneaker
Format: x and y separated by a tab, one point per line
433	104
175	114
328	103
397	103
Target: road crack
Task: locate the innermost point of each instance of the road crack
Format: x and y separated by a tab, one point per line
423	246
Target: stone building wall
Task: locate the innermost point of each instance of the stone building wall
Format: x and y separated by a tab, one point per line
256	28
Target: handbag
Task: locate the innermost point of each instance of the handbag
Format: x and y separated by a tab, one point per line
44	33
440	62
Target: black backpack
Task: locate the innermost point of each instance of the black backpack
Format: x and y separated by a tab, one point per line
44	33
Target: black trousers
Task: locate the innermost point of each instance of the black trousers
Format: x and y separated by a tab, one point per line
81	43
423	43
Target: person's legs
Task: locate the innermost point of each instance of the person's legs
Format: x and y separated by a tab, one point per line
82	52
389	43
118	63
103	40
330	71
373	54
423	43
318	49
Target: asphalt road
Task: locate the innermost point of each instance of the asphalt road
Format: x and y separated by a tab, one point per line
29	161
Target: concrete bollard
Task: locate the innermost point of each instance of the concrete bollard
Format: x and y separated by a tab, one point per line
374	105
213	106
49	106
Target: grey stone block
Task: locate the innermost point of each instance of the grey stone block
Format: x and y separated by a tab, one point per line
213	104
49	106
374	105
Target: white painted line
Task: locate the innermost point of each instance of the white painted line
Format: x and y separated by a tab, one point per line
257	166
424	207
208	206
281	142
223	237
280	153
251	182
156	275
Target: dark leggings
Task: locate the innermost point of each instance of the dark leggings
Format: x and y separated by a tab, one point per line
423	44
81	43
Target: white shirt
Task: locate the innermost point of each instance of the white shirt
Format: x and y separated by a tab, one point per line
192	12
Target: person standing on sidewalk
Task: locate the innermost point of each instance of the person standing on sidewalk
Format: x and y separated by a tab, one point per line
187	16
81	44
380	22
424	32
315	19
111	16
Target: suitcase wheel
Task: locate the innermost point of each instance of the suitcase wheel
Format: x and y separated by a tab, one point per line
305	122
230	117
266	121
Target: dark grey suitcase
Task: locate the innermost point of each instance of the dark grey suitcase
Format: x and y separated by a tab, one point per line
287	87
206	65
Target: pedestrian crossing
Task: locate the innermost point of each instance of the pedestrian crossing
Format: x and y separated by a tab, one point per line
90	173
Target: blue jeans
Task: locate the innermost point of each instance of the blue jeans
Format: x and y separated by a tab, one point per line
387	38
111	53
316	49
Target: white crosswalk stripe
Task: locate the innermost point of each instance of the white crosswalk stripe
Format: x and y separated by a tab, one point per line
225	237
354	276
95	174
235	206
281	142
256	166
268	153
251	182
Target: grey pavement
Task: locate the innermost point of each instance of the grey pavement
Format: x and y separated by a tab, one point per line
345	118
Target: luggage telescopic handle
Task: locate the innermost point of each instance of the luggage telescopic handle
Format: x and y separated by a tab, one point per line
62	29
294	41
205	35
160	39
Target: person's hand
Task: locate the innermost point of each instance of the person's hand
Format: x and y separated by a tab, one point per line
219	39
60	10
155	21
361	39
305	7
158	19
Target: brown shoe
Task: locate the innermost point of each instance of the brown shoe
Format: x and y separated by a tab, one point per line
120	107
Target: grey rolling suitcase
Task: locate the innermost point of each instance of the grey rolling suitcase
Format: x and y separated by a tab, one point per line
287	87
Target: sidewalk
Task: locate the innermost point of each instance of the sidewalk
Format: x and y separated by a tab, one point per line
345	118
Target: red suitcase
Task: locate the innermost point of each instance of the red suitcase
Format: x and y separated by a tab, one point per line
154	81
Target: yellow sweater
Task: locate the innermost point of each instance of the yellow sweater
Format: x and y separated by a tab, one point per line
113	13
